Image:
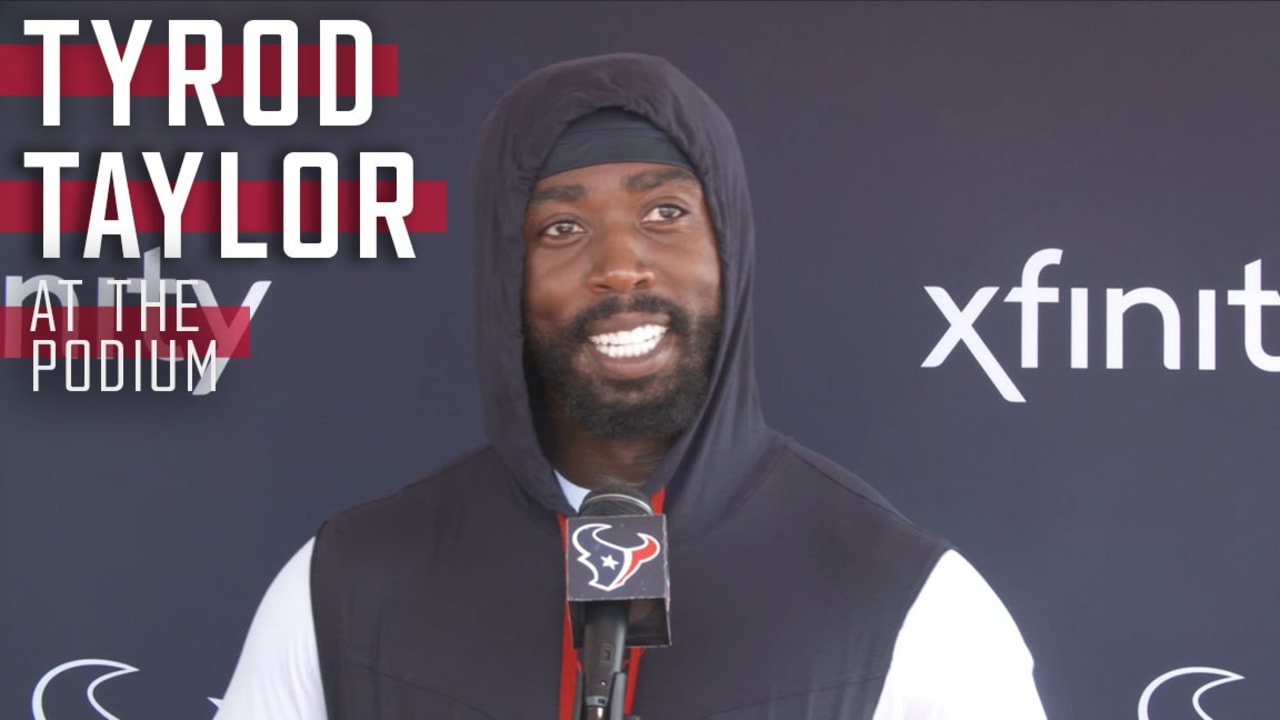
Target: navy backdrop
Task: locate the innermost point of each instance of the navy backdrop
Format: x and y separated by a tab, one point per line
1125	516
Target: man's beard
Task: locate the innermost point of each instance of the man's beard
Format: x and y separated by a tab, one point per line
657	406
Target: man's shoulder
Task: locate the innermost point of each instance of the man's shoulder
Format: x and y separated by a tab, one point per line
841	494
421	504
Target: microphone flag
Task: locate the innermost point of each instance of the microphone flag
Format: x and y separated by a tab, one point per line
620	558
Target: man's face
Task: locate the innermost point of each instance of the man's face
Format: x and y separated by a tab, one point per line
622	296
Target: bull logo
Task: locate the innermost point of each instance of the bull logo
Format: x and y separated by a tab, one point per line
611	565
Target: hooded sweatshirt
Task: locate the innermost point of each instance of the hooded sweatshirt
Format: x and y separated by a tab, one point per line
790	577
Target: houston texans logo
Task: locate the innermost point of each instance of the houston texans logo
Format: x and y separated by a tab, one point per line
1223	677
611	565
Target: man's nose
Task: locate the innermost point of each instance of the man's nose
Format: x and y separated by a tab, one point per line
620	265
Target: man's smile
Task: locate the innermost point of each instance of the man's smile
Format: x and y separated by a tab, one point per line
629	343
629	347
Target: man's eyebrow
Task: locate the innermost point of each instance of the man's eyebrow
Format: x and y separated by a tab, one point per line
562	193
650	179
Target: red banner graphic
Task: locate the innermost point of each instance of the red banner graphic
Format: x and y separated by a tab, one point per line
224	331
23	67
261	206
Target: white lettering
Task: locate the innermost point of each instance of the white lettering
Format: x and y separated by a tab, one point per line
51	194
202	79
172	198
179	304
51	31
121	66
1030	295
394	210
1208	356
194	362
77	349
327	246
254	31
232	247
37	366
43	309
1120	301
1253	298
362	109
961	330
111	177
1079	328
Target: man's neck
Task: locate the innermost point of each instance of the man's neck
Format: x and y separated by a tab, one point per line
592	461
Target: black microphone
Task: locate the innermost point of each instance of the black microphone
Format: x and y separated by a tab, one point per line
617	587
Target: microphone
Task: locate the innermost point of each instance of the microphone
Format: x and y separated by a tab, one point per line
618	592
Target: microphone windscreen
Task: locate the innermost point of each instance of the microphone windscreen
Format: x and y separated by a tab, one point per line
614	500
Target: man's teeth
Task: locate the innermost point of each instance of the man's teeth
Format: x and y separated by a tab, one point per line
629	343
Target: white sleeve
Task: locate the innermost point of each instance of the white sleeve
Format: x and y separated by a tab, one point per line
278	676
959	655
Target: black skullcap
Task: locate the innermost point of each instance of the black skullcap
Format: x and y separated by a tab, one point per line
611	135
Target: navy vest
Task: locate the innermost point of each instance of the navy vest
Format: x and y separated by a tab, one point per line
446	600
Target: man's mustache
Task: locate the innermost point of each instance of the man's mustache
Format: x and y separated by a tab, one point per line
640	303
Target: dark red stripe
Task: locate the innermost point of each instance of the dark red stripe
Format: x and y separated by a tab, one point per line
228	326
261	206
569	664
84	73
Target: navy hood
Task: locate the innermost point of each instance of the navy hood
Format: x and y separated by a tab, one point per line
711	464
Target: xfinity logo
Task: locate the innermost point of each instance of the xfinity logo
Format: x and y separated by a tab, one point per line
1030	295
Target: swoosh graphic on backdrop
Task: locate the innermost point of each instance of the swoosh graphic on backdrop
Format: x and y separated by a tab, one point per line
37	695
1224	677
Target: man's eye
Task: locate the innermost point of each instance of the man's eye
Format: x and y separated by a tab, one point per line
561	228
665	213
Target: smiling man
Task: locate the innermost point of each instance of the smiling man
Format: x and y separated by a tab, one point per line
621	299
614	273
